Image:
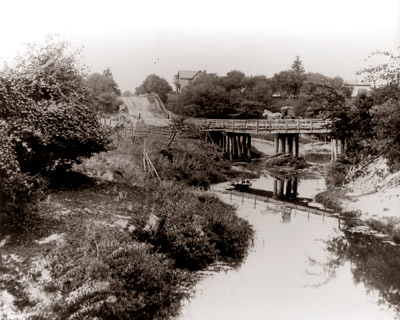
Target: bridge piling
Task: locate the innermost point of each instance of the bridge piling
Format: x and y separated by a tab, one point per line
287	143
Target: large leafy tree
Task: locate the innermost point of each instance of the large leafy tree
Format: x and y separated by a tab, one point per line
234	80
231	96
386	123
155	84
288	83
105	91
205	97
45	119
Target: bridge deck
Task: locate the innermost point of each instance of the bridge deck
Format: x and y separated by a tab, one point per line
232	126
264	126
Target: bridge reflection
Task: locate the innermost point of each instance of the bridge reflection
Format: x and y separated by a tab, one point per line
285	189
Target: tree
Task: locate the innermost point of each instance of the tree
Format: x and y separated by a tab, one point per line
234	80
46	121
384	67
205	97
155	84
287	83
105	91
337	83
127	93
386	118
261	92
297	66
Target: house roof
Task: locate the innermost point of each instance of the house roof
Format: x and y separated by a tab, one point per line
187	74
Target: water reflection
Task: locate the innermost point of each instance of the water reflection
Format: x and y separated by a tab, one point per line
285	189
376	264
297	269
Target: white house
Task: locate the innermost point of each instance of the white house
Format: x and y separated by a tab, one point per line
186	77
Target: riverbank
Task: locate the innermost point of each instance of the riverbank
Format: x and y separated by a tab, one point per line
111	242
372	197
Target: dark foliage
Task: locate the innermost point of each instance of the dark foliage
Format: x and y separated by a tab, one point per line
155	84
46	123
194	231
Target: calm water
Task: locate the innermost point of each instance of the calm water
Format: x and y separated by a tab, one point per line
290	273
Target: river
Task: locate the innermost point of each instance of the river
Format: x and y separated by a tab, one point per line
299	267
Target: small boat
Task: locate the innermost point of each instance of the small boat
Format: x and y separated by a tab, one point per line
242	184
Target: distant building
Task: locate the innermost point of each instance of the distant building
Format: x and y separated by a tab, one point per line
359	87
186	77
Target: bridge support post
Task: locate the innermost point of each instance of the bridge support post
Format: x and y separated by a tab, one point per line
249	146
287	143
290	144
281	144
296	145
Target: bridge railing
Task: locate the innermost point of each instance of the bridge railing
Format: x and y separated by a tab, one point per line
264	126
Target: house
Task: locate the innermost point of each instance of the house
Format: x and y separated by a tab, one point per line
358	87
186	77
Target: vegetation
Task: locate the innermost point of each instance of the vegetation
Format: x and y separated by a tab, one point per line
47	124
155	84
389	226
105	92
129	245
238	96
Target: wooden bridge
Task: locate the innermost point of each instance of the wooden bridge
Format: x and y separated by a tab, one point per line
260	127
234	135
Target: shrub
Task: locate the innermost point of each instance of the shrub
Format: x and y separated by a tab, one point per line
195	163
105	274
193	230
45	121
335	174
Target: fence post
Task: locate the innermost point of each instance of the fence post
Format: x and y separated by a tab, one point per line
255	201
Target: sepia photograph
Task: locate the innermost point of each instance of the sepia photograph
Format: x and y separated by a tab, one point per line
200	160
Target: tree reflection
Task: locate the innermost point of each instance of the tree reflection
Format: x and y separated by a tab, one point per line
374	263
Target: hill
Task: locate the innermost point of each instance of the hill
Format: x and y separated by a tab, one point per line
146	108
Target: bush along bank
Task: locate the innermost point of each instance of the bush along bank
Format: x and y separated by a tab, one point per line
127	248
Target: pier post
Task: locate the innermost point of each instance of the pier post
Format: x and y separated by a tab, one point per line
230	147
288	188
294	191
280	148
243	141
249	146
334	146
282	144
296	145
276	144
290	142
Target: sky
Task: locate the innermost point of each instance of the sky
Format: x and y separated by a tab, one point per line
138	38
